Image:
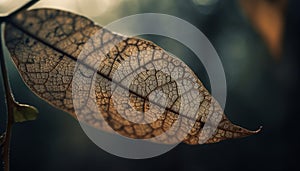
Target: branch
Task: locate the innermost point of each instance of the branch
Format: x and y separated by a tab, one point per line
10	102
25	6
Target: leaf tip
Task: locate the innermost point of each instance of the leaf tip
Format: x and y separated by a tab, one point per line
258	130
246	132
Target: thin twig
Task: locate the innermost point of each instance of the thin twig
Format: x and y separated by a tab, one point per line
10	102
27	5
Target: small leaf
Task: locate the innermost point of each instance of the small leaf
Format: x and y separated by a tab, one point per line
24	112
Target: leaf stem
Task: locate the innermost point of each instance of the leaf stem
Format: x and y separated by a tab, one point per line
10	103
25	6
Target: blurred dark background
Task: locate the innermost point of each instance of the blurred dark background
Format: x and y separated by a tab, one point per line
263	89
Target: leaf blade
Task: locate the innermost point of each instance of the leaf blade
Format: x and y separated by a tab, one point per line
24	112
45	45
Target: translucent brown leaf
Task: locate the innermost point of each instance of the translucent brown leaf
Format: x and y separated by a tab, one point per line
45	45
